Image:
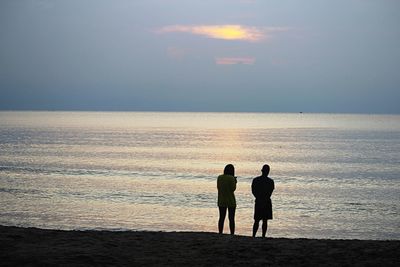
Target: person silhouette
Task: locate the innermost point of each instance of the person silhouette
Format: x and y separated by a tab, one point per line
262	188
226	185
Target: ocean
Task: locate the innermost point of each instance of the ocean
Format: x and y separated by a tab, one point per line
336	175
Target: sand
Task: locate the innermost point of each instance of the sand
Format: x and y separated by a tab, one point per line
38	247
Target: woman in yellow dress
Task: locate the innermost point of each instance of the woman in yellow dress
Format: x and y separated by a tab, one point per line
226	184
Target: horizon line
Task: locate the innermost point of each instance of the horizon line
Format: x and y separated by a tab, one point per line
193	111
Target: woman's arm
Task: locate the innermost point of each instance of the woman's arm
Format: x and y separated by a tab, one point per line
234	182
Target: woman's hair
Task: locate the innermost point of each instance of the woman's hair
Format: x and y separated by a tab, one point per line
229	169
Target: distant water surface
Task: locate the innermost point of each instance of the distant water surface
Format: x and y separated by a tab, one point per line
336	176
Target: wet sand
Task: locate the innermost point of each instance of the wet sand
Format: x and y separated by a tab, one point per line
38	247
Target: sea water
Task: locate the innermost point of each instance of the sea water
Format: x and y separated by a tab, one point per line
336	175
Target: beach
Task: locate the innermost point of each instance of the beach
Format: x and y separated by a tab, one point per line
39	247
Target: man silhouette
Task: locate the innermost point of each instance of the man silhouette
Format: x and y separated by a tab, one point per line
262	188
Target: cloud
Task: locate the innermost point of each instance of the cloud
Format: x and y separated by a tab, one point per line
279	62
176	52
247	1
235	60
43	4
225	32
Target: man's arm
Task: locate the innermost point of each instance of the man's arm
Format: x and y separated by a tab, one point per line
253	189
272	187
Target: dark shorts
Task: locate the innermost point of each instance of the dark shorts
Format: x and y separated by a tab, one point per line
263	210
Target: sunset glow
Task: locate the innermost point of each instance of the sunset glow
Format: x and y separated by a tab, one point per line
225	32
234	60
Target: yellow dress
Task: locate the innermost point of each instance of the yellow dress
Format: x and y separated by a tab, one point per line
226	185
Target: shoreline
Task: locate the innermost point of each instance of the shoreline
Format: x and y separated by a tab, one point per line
38	247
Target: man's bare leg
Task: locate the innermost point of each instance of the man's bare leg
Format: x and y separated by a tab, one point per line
255	227
264	227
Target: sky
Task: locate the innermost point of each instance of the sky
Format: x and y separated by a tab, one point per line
340	56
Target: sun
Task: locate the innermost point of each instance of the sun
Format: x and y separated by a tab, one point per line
228	32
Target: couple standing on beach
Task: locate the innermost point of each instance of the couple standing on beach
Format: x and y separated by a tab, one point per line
261	187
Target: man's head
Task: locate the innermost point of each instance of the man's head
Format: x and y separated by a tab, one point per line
265	170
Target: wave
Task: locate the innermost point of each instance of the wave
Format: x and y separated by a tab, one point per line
99	172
